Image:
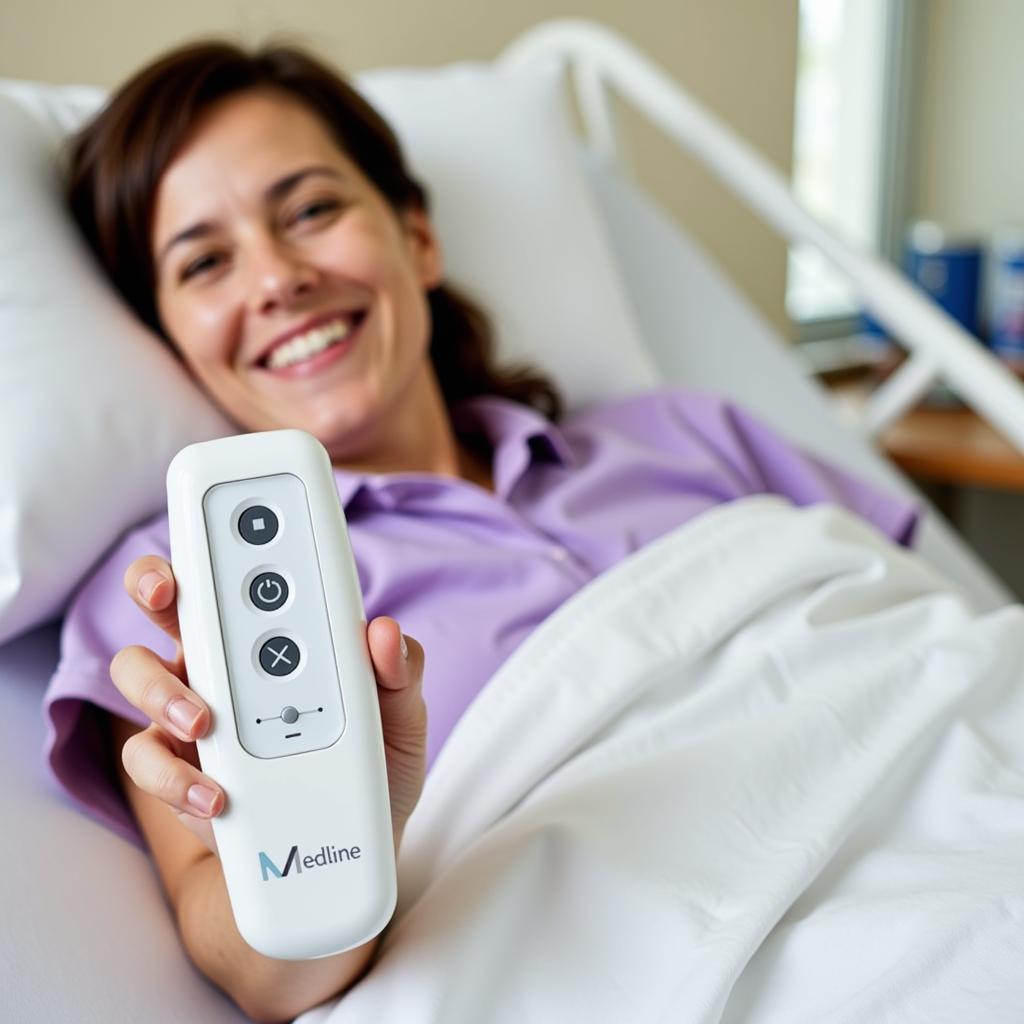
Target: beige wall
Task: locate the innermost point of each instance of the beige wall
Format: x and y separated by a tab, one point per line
970	163
737	56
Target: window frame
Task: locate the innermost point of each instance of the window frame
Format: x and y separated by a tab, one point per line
904	28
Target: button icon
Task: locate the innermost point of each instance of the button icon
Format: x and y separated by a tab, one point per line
258	525
268	591
279	656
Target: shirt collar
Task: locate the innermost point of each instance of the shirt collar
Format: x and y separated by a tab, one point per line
518	435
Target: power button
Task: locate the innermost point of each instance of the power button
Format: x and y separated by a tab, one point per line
268	591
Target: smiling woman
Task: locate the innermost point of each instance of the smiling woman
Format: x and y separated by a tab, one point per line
257	214
288	257
245	268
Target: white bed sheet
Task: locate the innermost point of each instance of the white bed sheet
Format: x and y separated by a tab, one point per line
767	770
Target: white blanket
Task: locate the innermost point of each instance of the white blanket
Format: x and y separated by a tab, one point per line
769	768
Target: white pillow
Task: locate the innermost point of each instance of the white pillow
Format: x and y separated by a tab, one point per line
93	407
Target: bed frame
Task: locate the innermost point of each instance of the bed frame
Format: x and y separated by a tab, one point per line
602	63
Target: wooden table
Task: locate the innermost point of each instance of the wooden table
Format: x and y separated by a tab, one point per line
942	448
944	445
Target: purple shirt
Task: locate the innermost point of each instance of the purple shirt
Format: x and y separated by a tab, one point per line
468	573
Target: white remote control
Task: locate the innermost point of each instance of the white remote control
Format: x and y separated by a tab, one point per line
274	638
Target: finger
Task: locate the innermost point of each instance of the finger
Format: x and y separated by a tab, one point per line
151	585
145	682
399	686
394	669
153	766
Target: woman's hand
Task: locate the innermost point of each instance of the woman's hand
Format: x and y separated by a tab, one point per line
162	760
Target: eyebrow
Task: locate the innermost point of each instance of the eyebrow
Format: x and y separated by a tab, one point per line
274	193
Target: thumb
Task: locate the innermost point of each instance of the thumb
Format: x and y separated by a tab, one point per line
399	683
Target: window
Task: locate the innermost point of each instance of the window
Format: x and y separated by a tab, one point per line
850	150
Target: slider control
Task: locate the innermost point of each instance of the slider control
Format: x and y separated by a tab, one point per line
288	715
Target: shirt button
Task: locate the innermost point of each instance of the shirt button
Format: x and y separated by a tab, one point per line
560	554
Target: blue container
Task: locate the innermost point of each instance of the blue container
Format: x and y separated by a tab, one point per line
948	268
1007	283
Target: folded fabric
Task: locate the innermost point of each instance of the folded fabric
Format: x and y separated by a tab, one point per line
766	769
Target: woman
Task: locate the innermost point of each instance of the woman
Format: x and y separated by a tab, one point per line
258	216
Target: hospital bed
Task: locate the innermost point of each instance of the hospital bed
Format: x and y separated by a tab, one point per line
87	936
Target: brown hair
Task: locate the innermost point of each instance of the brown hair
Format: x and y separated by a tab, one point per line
116	160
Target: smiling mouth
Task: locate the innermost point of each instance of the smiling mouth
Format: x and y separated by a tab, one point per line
328	340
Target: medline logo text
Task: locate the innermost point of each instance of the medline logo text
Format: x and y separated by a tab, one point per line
327	855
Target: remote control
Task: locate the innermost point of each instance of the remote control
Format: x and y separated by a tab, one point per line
274	638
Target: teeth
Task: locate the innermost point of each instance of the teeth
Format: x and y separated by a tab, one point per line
309	344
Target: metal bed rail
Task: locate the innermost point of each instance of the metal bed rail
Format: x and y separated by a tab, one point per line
600	61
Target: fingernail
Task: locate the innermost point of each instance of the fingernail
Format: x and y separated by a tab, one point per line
403	647
201	798
183	713
149	583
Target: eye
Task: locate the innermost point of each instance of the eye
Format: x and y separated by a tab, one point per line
315	208
197	266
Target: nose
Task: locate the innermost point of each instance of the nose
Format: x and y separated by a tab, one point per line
278	275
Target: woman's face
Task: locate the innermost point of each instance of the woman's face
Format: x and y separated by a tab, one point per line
293	243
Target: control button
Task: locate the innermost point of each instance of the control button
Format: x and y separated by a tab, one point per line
257	524
268	591
279	656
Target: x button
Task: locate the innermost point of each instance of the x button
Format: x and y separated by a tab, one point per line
279	656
